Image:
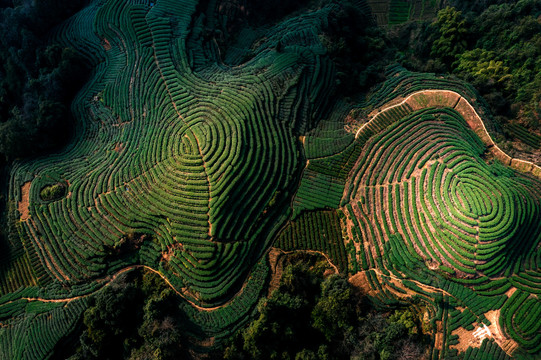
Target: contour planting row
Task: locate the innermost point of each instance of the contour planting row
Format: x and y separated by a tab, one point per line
172	168
318	231
489	350
403	263
520	316
424	179
422	194
392	12
525	135
399	11
329	137
225	320
16	270
340	164
401	83
317	191
35	335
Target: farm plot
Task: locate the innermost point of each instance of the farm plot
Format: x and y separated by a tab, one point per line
317	231
191	168
173	167
433	222
180	163
465	212
392	12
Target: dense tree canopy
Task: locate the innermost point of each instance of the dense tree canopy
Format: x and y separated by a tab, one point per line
38	78
135	318
493	44
451	42
315	317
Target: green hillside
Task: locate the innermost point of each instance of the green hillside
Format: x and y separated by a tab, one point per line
206	138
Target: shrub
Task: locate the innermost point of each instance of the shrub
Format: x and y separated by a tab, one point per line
53	192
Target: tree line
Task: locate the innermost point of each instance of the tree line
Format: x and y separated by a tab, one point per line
493	44
38	80
311	315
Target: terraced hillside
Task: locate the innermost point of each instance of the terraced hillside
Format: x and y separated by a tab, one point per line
181	164
435	216
437	219
193	157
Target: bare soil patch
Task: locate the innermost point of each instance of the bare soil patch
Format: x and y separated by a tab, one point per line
466	339
475	337
508	345
438	336
119	147
167	255
510	292
276	265
23	205
473	121
106	45
360	281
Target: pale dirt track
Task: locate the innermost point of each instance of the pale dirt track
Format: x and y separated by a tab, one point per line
179	293
23	205
447	98
114	277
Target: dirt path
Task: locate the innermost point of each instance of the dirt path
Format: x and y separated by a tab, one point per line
314	252
429	288
276	265
179	293
360	280
115	276
448	98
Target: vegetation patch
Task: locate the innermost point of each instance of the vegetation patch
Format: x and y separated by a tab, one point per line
311	316
210	131
53	192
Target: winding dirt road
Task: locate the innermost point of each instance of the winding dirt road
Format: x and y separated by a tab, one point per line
114	277
448	98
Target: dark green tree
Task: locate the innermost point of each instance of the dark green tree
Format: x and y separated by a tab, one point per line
333	314
111	323
451	27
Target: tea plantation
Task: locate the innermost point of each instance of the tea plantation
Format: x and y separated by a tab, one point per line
438	221
192	160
